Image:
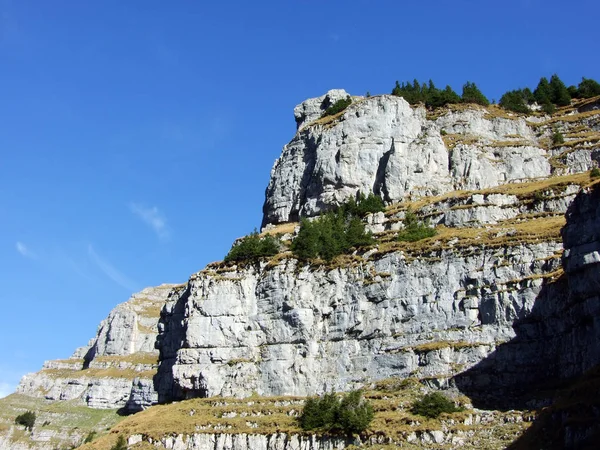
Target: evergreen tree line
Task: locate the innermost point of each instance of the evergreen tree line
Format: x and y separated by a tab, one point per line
433	97
549	94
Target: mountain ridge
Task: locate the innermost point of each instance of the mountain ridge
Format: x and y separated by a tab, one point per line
495	187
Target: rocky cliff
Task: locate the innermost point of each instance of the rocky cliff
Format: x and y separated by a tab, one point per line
497	303
116	368
381	144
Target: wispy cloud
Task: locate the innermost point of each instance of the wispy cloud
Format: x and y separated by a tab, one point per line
153	218
24	251
111	272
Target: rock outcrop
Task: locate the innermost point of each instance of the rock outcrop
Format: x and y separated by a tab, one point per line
383	145
491	305
274	330
116	368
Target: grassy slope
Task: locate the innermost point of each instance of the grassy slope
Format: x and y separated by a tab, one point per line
65	418
393	420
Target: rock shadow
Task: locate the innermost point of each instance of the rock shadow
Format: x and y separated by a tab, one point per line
170	339
557	345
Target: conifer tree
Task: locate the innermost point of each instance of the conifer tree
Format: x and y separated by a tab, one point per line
542	93
472	94
588	88
559	94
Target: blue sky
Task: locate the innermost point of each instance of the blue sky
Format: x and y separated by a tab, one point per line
137	136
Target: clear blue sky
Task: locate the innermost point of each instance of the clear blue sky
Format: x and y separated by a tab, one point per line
137	136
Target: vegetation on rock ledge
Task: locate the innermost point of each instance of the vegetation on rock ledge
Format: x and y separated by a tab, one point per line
414	230
336	232
252	247
27	419
352	414
434	404
338	106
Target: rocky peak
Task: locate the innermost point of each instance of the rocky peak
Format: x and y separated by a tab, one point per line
490	304
312	108
116	368
383	145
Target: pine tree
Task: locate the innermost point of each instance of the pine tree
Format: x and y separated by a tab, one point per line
514	101
588	88
472	94
542	93
559	94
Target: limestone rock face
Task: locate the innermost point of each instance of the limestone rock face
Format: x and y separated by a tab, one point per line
383	145
116	368
293	330
311	109
243	441
494	303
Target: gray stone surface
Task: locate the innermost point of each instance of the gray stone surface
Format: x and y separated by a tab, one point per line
296	330
104	374
485	313
312	109
383	145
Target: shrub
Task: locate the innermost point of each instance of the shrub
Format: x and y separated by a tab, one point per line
432	405
351	415
363	205
338	106
90	437
542	93
442	98
252	247
27	419
433	97
121	444
595	173
558	138
539	196
548	108
338	231
355	413
414	230
320	412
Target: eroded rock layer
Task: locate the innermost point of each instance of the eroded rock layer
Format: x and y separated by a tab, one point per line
383	145
117	366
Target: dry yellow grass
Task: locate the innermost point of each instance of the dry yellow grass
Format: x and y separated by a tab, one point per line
521	190
134	358
544	229
452	140
391	400
515	143
282	228
591	138
565	118
438	345
111	372
151	310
